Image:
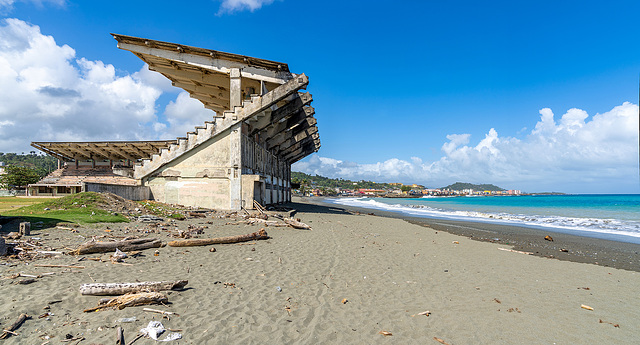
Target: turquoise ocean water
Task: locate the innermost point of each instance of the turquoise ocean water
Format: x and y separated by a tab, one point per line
608	216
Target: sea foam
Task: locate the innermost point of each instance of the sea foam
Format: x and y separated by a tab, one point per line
590	227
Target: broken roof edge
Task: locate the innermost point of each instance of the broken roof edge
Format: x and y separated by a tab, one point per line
216	54
104	142
53	148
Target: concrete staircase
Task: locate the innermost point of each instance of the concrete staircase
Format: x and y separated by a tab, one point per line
250	108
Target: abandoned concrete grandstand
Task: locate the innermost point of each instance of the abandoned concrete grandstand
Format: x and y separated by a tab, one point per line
261	125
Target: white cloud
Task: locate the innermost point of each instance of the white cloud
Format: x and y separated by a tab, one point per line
183	114
576	154
47	94
230	6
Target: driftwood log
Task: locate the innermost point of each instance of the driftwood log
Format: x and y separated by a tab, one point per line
131	300
253	221
296	224
125	246
7	332
260	235
114	289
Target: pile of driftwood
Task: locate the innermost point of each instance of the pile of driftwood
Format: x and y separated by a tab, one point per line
192	231
130	294
24	249
92	247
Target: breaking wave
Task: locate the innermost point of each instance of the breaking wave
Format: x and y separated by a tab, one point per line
590	227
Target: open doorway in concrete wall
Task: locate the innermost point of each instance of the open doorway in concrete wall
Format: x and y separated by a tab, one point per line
258	194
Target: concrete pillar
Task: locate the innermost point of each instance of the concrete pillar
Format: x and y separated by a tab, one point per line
235	88
235	180
287	172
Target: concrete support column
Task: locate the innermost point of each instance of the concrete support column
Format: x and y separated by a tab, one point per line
235	88
235	180
287	172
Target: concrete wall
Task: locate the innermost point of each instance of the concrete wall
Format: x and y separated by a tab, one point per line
200	177
128	192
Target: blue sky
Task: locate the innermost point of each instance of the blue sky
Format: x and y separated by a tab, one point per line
420	92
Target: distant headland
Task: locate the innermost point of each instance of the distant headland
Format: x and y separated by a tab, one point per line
305	184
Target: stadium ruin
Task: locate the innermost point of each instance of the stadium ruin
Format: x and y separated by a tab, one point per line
261	124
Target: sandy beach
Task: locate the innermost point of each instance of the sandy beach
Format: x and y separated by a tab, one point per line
350	278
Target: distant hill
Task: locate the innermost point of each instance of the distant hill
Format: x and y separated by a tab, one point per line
321	181
43	164
476	187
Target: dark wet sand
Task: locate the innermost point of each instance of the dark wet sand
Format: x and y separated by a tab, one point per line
601	252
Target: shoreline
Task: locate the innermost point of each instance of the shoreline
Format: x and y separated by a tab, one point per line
602	252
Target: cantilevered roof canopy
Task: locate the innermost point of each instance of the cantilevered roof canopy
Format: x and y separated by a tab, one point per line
98	150
205	73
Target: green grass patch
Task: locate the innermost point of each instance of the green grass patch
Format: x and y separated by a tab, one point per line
177	216
81	208
10	203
